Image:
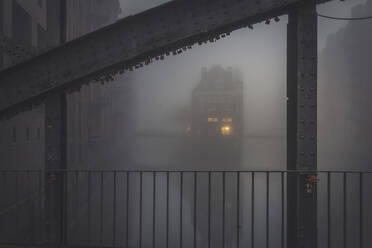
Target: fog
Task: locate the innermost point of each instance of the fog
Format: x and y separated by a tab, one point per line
163	90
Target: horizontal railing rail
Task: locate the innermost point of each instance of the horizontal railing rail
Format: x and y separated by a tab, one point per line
178	208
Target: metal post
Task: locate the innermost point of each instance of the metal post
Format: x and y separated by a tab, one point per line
302	124
55	160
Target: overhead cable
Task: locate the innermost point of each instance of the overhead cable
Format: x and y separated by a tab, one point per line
345	18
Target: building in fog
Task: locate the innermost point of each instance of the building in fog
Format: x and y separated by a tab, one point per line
217	104
217	115
345	95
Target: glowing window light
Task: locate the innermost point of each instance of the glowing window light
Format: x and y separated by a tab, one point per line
211	119
226	130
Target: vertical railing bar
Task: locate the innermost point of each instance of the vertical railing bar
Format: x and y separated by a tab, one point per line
195	204
209	209
114	211
283	196
267	209
329	208
181	206
361	234
154	209
40	206
101	210
127	212
30	193
89	208
252	211
345	210
64	232
167	224
77	202
141	209
3	195
238	209
223	207
16	202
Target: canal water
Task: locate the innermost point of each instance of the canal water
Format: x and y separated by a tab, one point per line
256	153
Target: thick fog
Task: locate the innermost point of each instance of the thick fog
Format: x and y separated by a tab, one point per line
163	90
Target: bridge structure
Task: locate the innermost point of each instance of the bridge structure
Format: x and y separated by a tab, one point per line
171	29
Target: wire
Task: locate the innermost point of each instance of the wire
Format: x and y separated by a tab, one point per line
344	18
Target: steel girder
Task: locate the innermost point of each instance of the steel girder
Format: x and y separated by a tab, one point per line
302	126
129	43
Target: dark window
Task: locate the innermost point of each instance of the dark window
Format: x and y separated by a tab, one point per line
40	2
41	37
21	25
1	32
1	18
38	133
14	135
27	134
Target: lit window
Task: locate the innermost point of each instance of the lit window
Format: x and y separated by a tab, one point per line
212	119
229	119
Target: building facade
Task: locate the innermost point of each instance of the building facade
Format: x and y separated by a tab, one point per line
89	15
217	117
217	104
27	27
344	96
100	116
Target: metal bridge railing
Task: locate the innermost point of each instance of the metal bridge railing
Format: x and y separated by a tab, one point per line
117	208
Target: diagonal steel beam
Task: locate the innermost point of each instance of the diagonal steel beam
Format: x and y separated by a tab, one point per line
131	41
